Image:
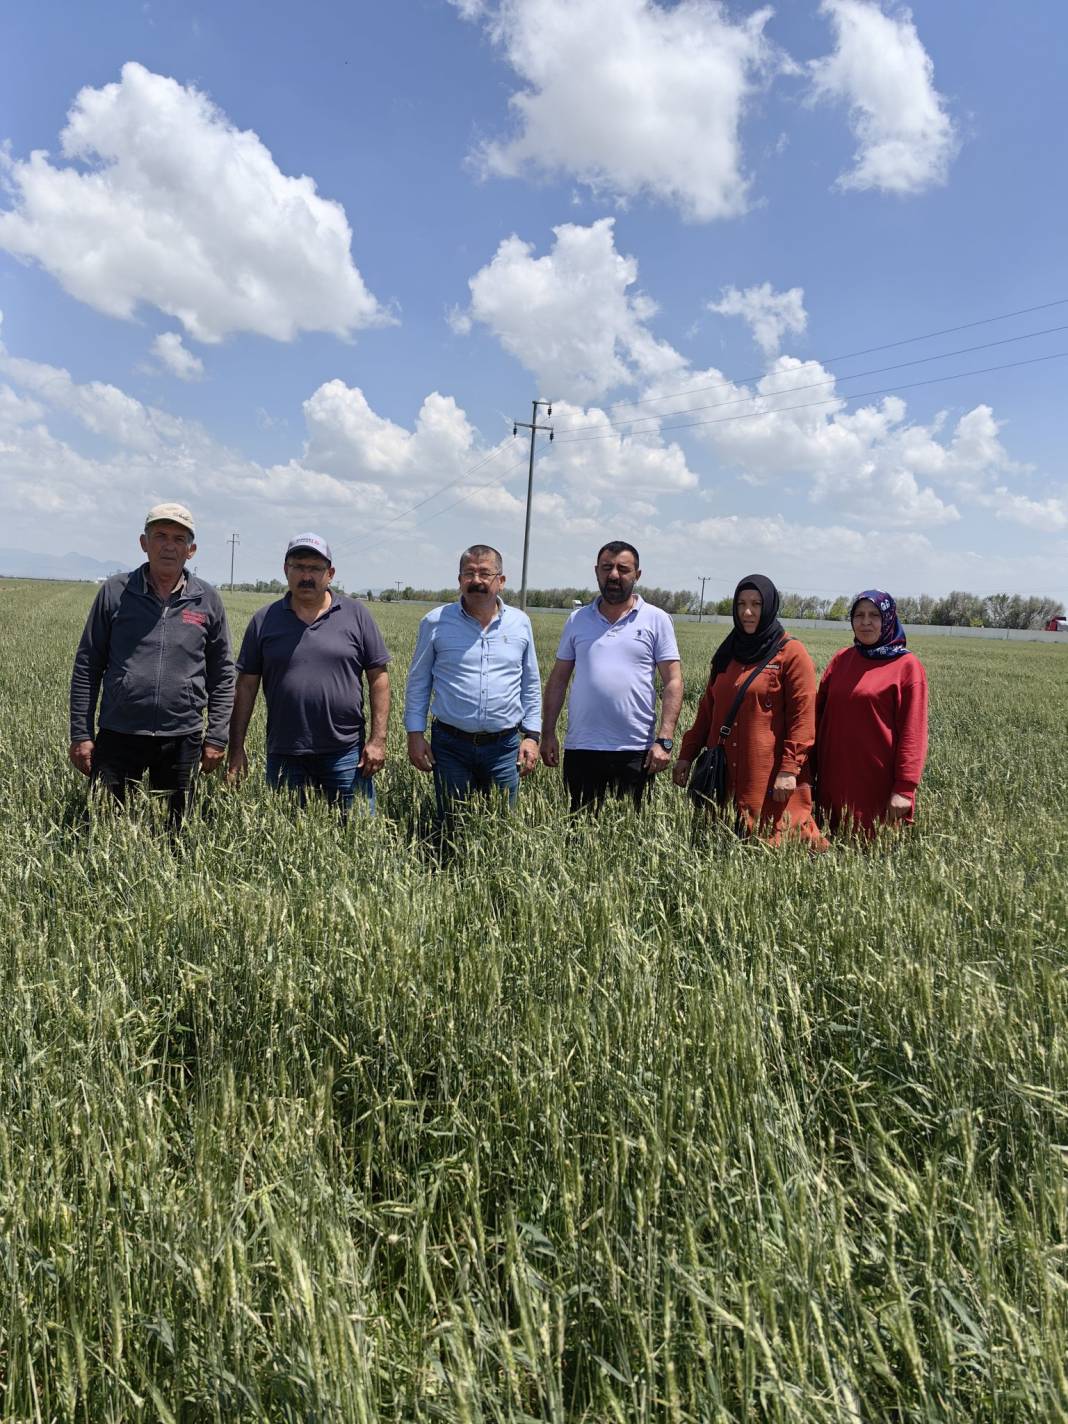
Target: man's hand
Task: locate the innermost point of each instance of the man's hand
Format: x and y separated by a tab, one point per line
898	807
550	749
374	756
210	758
236	764
81	756
680	773
784	787
527	759
656	759
419	753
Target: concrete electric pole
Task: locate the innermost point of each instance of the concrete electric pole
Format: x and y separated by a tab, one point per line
701	610
533	426
233	541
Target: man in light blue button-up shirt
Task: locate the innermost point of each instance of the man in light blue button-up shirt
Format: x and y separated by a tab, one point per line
475	666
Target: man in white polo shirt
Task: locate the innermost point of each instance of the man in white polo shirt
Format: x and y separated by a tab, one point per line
615	646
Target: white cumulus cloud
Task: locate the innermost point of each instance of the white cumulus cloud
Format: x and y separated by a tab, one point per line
17	410
630	97
175	357
795	429
1050	515
596	460
576	320
769	314
100	407
163	201
348	439
570	316
881	71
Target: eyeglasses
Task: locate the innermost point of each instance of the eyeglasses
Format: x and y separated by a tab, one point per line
308	568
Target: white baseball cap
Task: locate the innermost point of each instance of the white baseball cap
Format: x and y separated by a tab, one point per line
173	513
313	542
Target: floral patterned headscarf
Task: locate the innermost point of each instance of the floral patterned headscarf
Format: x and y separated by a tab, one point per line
891	642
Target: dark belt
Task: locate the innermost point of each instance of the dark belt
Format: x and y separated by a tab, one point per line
478	739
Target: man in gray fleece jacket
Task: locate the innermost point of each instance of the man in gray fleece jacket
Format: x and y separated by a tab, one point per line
157	646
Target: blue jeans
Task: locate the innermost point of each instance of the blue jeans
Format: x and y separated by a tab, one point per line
335	774
461	767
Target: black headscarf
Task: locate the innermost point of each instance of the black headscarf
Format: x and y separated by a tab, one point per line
749	648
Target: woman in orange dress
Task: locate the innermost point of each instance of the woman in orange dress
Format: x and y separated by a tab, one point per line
768	776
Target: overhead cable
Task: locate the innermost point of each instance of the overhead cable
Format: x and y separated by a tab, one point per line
787	390
867	351
808	405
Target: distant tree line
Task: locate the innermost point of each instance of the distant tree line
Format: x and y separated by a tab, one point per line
274	586
954	610
684	602
969	610
957	609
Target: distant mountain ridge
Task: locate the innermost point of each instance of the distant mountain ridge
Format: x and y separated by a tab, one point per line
21	563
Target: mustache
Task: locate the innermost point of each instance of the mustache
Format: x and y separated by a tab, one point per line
306	583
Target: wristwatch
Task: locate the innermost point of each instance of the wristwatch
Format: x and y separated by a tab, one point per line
528	736
666	742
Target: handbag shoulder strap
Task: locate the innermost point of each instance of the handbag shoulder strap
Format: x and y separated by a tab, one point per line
725	730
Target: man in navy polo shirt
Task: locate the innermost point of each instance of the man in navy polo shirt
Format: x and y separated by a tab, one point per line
615	646
311	650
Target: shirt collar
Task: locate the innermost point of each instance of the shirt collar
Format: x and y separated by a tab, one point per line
501	606
335	602
177	591
638	601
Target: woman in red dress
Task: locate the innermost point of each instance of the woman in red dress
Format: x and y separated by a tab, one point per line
871	713
768	777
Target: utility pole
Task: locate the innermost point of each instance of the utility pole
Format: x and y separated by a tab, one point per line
533	426
701	611
233	541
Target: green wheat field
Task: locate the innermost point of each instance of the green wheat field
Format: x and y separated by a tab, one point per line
594	1121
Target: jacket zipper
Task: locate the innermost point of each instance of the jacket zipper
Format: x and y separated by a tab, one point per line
162	649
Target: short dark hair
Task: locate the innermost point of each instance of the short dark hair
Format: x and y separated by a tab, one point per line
619	546
481	551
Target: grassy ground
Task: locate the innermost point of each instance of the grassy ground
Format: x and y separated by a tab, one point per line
589	1123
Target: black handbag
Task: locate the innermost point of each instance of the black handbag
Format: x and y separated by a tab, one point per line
708	778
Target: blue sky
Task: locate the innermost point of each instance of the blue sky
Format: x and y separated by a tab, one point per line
301	266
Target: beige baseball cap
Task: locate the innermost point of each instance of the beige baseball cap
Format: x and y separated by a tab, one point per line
175	513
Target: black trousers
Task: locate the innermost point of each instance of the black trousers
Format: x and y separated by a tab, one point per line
590	776
171	764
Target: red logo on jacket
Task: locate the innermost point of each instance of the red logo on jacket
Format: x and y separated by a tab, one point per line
188	616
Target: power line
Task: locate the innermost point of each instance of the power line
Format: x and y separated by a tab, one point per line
949	330
747	415
497	480
831	400
756	415
348	549
828	381
867	351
